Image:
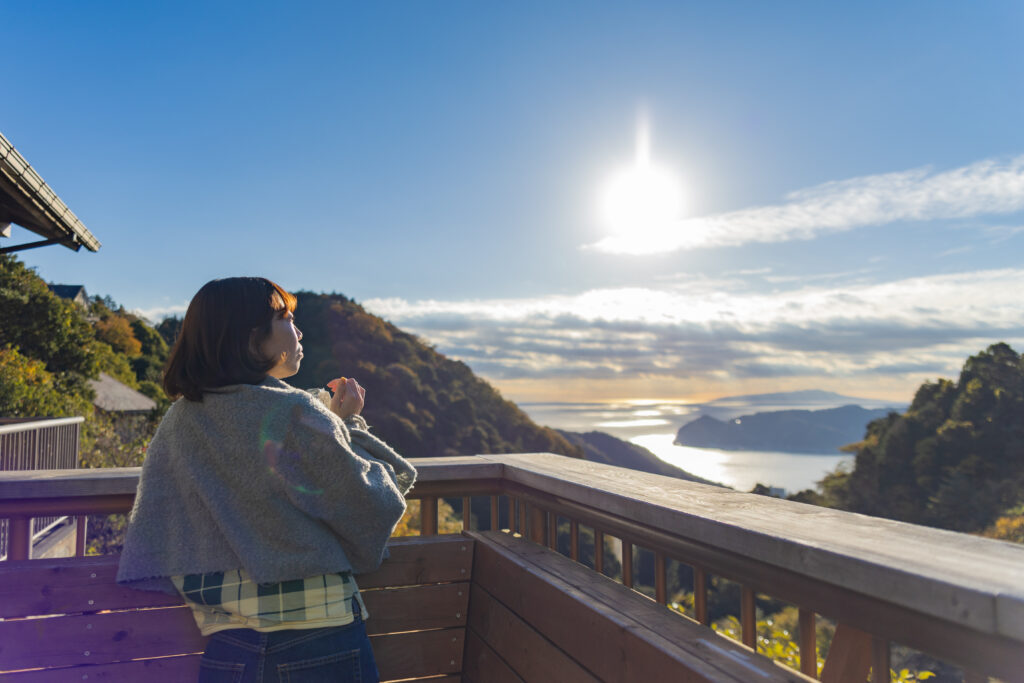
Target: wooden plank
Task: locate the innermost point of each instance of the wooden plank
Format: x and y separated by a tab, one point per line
494	514
68	585
100	481
483	665
621	635
417	560
849	656
467	513
977	584
87	584
98	638
182	669
416	608
420	653
528	653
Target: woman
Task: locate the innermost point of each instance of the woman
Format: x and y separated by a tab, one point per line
258	501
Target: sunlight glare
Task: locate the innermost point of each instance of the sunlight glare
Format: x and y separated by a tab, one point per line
643	201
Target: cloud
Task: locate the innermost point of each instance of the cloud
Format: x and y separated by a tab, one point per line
158	313
913	326
984	187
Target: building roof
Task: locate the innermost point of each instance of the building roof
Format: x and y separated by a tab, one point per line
27	200
68	291
115	397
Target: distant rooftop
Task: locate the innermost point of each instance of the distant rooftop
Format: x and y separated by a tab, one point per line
25	199
115	397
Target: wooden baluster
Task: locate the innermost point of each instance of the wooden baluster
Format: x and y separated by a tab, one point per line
553	530
428	516
748	617
495	525
880	664
81	528
627	563
467	512
849	656
574	540
511	515
19	538
598	551
537	524
659	579
524	529
808	643
700	595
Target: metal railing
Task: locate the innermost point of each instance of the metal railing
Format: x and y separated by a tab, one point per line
38	444
957	597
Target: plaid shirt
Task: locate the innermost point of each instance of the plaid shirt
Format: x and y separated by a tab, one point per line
224	600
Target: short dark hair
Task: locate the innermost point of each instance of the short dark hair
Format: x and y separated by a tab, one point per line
218	345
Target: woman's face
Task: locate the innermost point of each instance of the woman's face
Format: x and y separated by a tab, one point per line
283	345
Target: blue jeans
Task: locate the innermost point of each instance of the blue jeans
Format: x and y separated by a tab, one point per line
339	654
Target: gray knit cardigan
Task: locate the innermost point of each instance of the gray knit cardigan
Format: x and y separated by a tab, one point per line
263	478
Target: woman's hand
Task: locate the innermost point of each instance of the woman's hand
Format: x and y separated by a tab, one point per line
348	397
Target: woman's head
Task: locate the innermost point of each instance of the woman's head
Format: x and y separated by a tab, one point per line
236	331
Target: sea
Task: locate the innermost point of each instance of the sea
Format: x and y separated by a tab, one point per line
653	424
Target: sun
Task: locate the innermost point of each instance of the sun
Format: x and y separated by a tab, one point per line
643	200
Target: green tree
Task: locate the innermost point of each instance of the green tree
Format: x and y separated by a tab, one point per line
27	389
954	460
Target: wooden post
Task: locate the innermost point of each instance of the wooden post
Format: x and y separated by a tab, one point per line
627	563
467	512
808	643
849	656
659	579
700	595
574	540
428	516
598	551
81	529
19	538
495	525
748	617
880	664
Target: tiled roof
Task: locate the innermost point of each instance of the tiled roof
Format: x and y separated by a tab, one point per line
115	397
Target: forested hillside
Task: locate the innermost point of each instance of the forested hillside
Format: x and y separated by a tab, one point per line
954	460
417	400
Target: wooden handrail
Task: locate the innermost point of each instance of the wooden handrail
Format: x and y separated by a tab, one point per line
956	596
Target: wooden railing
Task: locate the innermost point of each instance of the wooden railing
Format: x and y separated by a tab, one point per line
38	444
957	597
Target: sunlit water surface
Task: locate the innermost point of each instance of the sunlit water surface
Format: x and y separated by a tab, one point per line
743	469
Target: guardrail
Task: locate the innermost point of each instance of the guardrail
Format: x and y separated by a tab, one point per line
38	444
957	597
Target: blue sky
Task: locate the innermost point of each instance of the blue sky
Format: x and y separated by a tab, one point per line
852	177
